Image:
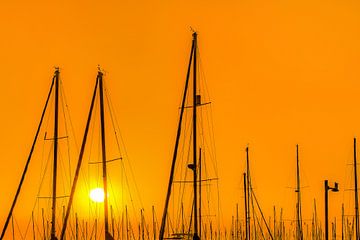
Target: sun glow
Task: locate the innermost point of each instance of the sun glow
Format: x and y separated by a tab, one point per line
97	195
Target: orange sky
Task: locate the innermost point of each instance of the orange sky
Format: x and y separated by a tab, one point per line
280	73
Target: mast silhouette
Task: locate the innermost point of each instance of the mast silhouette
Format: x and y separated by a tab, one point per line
248	194
194	167
172	171
246	209
299	232
56	131
77	172
200	179
28	159
252	197
98	87
356	195
103	148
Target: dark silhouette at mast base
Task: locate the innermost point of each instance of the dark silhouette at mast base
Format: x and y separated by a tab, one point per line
108	236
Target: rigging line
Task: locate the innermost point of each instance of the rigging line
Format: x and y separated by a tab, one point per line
115	124
112	116
131	199
64	103
183	165
202	73
113	192
37	228
260	227
182	190
111	109
203	77
170	187
41	182
182	151
94	174
79	162
42	167
262	215
62	168
17	225
210	120
207	144
86	175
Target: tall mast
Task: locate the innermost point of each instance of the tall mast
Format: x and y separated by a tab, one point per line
56	129
299	234
27	162
103	149
248	190
196	236
356	195
163	219
77	171
246	210
200	165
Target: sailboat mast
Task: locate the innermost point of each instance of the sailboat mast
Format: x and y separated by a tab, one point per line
163	219
246	209
356	195
27	163
298	204
248	191
77	171
196	236
103	148
56	129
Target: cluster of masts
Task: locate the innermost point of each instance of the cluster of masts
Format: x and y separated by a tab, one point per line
253	226
54	89
293	229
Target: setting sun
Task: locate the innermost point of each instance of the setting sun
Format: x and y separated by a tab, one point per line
97	195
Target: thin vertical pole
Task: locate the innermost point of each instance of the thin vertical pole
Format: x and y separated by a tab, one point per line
163	219
127	223
248	189
200	165
112	220
142	225
182	218
33	224
342	221
326	211
76	177
356	195
237	222
76	227
27	162
246	210
196	235
43	222
154	223
275	223
56	129
96	228
103	149
299	232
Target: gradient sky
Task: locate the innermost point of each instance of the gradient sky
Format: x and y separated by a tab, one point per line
280	73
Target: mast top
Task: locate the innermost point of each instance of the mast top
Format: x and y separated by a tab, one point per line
100	72
57	70
194	32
